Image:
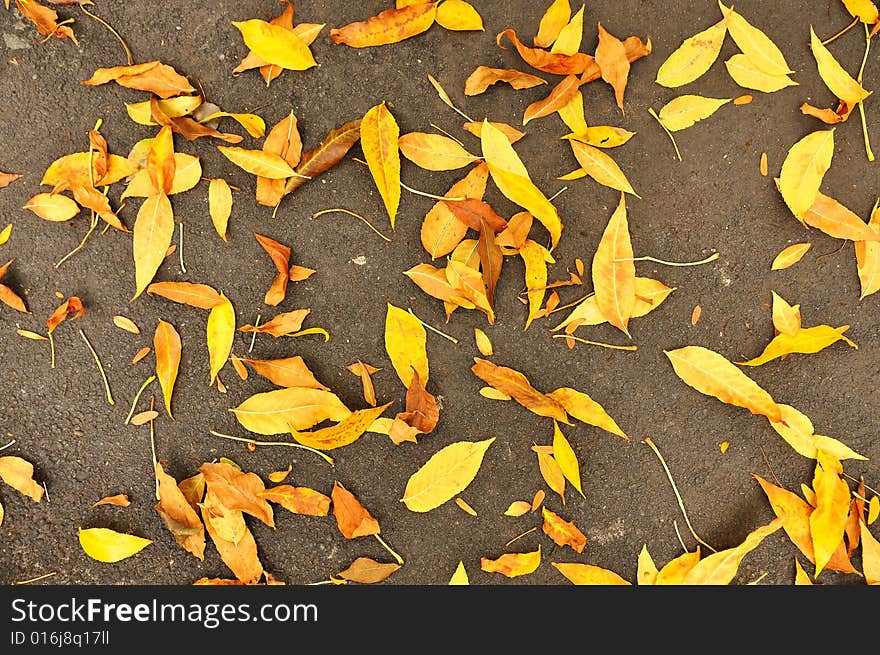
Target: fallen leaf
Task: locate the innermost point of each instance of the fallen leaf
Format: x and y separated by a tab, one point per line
747	73
565	456
71	308
390	26
275	45
441	230
368	571
346	432
141	112
379	141
187	173
828	520
153	76
613	62
838	81
601	167
220	205
458	15
491	260
568	41
237	490
258	162
405	340
675	571
18	473
864	10
106	545
868	259
805	340
299	500
518	508
683	111
803	169
119	500
790	256
613	271
153	230
517	386
693	57
142	418
535	258
465	507
832	218
647	570
352	518
587	574
755	44
476	128
562	532
143	352
483	77
870	555
721	567
330	152
124	323
166	342
241	557
8	178
280	476
585	409
460	576
187	293
297	408
280	255
552	473
53	207
434	152
447	473
559	97
285	372
549	62
178	515
554	19
221	333
513	565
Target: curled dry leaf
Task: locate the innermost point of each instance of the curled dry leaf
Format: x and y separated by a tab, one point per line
9	297
71	308
513	565
280	255
562	532
346	432
446	474
483	77
613	62
236	490
548	62
179	515
390	26
352	518
119	500
106	545
364	371
281	324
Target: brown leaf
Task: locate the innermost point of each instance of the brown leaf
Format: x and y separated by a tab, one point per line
299	500
390	26
555	100
154	77
472	212
280	255
18	473
286	372
187	293
237	490
281	324
562	532
483	77
119	500
368	571
517	386
241	557
555	63
491	260
333	148
365	371
193	489
611	57
179	515
422	412
352	518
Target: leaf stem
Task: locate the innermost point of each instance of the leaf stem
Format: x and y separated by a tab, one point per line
81	243
595	343
137	397
351	213
112	31
428	195
180	250
710	258
650	444
100	367
389	549
290	444
572	304
7	445
52	350
868	150
254	335
554	196
442	131
433	329
665	129
842	32
38	578
153	446
520	536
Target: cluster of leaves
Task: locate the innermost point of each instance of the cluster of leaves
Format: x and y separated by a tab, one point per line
827	527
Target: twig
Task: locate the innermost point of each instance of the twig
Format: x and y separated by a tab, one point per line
862	481
868	150
128	56
153	446
389	549
38	578
351	213
650	443
428	195
834	252
7	445
770	468
137	397
81	243
254	335
572	303
520	536
710	258
678	534
440	129
553	197
595	343
290	444
433	329
665	129
842	32
100	368
180	250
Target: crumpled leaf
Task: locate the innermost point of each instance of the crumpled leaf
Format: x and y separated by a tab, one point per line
446	474
237	490
352	518
166	344
434	152
106	545
562	532
71	308
517	386
18	473
693	57
483	77
299	500
390	26
549	62
613	62
368	571
587	574
346	432
280	255
153	76
513	565
379	141
281	324
118	500
330	152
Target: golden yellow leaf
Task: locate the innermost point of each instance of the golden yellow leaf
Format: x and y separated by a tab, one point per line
790	256
240	556
551	473
447	473
187	293
187	173
683	111
276	45
572	114
434	152
828	521
513	565
220	205
806	340
458	15
518	508
562	532
568	42
798	432
786	319
33	336
285	372
390	26
73	170
280	476
836	220
166	343
297	408
160	161
565	456
465	507
693	57
870	555
721	567
379	141
604	136
153	76
18	473
873	509
711	374
405	340
838	81
347	431
5	233
512	179
647	570
554	19
460	576
253	124
746	73
106	545
587	574
221	332
864	10
535	257
675	571
755	44
142	113
649	294
868	258
800	576
803	169
258	162
153	230
483	77
601	167
53	207
585	409
441	230
614	272
484	345
517	386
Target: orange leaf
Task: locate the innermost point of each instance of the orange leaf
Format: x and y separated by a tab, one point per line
562	532
555	63
368	571
299	500
352	518
517	386
611	57
513	565
18	473
483	77
178	515
119	500
555	100
390	26
187	293
166	343
281	324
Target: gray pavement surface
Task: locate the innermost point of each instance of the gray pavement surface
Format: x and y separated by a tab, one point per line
714	199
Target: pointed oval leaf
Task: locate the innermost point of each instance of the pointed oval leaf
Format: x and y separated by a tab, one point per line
804	167
447	473
106	545
693	57
379	141
683	111
297	408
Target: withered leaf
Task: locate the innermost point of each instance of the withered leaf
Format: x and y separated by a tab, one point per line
368	571
347	431
513	565
299	500
154	77
483	77
280	255
517	386
365	371
562	532
613	62
333	148
71	308
352	518
280	324
179	515
558	98
237	490
166	342
241	557
119	500
555	63
202	296
390	26
18	473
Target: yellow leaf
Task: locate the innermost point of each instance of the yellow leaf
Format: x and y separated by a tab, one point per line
554	19
160	161
864	10
441	231
153	230
572	114
790	256
569	40
513	565
800	576
786	319
53	207
562	532
258	162
73	170
253	124
798	432
447	473
379	141
552	474
405	340
535	257
873	509
5	234
806	340
276	45
614	272
693	57
106	545
868	258
746	73
683	111
647	570
347	431
828	521
870	555
434	152
220	205
564	455
587	574
603	136
166	343
187	173
460	577
674	572
142	114
755	44
493	394
282	410
803	169
221	332
601	167
721	567
458	15
18	473
585	409
512	179
125	323
649	294
484	345
836	220
711	374
838	81
518	508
